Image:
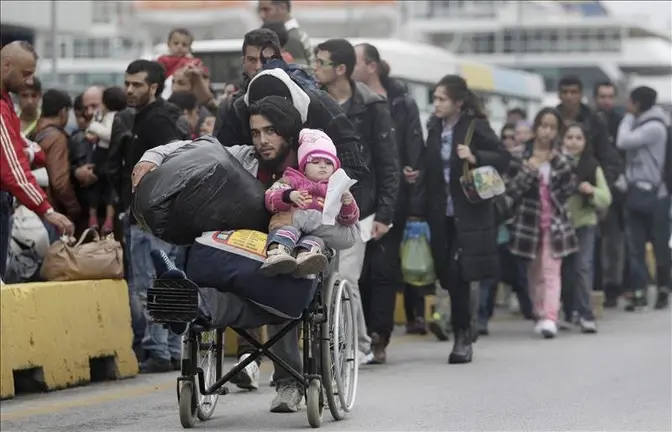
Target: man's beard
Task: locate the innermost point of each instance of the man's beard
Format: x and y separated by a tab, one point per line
274	163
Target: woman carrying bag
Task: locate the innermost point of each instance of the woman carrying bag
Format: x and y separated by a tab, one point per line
464	233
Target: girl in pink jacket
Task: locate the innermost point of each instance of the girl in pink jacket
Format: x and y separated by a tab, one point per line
296	242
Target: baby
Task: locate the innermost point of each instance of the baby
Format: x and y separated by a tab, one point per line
99	134
179	48
297	236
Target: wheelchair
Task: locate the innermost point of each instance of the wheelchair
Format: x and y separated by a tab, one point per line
330	350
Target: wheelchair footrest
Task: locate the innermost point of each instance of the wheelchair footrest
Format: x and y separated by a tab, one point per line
172	301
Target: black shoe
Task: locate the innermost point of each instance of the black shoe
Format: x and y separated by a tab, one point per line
636	302
439	331
462	350
152	365
176	364
610	302
662	300
483	328
378	345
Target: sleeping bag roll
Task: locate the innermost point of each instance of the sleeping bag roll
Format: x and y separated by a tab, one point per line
203	188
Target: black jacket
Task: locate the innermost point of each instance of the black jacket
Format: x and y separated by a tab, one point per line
605	152
323	113
476	231
411	145
132	135
370	115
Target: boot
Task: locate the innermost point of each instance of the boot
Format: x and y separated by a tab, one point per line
662	300
636	302
462	350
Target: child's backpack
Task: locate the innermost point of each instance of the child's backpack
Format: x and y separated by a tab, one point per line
295	72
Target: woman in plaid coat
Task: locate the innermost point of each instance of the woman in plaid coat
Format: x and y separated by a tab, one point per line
542	230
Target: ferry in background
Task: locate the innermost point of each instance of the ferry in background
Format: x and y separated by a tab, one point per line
552	38
418	66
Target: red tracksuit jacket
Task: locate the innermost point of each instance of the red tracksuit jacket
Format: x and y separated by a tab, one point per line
15	175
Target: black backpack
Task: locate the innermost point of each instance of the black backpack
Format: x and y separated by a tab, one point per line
667	162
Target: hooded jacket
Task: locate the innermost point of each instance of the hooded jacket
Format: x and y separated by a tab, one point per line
318	111
644	140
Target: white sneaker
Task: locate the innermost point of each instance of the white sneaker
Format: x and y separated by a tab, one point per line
365	358
587	326
248	378
537	327
514	306
548	329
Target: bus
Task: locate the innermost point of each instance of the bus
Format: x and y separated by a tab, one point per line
418	66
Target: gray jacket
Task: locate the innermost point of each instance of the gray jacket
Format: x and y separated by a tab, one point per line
309	222
644	146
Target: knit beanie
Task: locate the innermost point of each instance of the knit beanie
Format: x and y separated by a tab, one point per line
267	85
314	143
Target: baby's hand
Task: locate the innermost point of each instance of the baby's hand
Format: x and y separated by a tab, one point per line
300	198
347	198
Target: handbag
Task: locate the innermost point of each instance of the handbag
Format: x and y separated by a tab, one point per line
98	259
482	183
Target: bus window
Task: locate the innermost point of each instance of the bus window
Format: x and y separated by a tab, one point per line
224	67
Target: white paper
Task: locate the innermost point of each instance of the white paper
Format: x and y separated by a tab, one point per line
339	183
366	228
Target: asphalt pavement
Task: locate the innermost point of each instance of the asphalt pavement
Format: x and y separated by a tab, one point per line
617	380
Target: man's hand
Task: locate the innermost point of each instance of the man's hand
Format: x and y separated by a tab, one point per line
301	199
65	227
85	176
139	171
379	230
198	84
91	137
410	175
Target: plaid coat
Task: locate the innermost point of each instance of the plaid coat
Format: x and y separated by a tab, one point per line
523	189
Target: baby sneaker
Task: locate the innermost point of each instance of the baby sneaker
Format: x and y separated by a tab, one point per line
279	260
309	262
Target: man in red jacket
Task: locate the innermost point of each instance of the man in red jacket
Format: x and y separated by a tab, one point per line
18	61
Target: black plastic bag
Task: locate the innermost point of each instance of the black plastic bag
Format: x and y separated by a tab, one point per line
203	188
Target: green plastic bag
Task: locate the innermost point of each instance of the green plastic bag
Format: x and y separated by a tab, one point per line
417	264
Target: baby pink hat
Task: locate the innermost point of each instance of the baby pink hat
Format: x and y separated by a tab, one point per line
314	143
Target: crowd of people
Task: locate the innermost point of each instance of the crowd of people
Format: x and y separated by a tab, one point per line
586	188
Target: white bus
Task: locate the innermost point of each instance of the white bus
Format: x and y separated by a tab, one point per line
418	66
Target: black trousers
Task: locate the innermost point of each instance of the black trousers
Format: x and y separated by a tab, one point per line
380	281
458	288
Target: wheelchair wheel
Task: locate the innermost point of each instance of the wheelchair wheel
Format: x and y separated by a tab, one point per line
188	405
340	367
208	358
314	403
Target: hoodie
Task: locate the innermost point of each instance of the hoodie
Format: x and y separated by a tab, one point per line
644	141
318	111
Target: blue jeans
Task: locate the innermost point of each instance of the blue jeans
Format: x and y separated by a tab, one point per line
654	228
157	342
577	276
5	229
